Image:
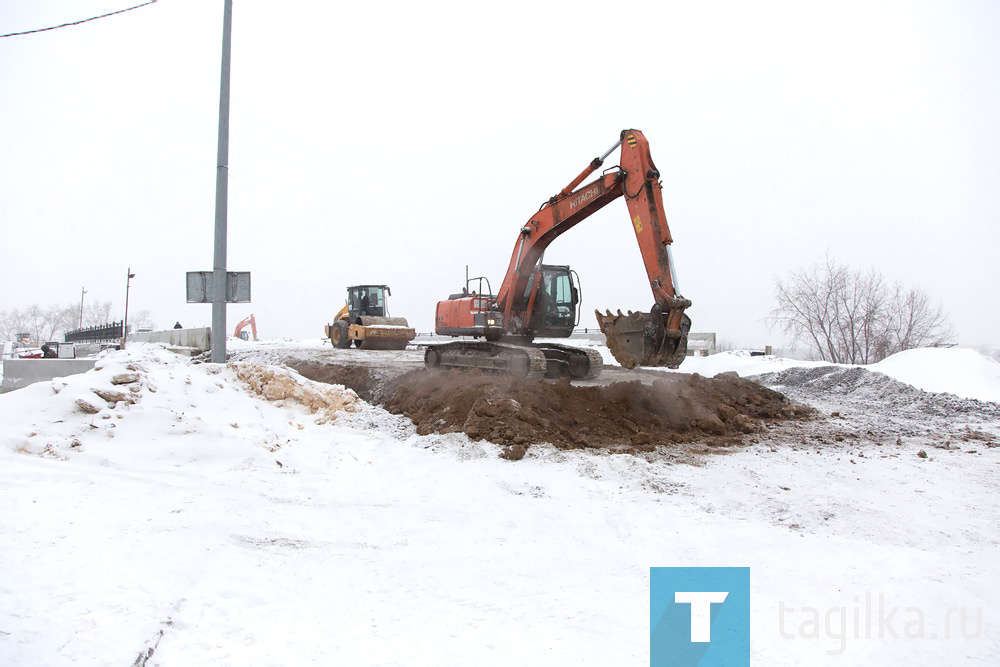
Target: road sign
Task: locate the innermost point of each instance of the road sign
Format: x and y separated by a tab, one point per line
200	290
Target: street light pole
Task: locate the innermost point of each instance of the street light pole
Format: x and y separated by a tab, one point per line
82	292
125	321
219	274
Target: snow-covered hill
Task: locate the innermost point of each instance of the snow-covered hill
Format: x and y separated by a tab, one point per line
245	515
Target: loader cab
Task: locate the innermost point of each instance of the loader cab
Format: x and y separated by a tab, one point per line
367	300
556	310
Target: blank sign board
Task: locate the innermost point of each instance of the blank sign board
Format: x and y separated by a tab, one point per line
200	290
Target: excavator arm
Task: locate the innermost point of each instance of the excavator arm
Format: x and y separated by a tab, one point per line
657	338
554	218
243	323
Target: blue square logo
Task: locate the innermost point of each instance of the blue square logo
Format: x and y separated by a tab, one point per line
699	616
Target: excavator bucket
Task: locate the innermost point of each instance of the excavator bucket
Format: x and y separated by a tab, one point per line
642	339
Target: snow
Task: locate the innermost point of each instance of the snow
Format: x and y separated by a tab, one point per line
218	523
743	363
963	372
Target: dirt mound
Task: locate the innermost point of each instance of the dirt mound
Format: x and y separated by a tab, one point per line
365	383
278	385
866	387
626	415
902	409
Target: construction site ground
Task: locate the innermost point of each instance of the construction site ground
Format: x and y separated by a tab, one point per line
654	413
255	516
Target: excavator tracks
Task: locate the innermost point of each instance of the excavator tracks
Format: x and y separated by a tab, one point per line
516	360
531	362
574	362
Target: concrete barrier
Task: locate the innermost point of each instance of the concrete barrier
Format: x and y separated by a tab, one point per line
199	339
19	373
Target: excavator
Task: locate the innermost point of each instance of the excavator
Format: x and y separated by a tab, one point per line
541	300
240	333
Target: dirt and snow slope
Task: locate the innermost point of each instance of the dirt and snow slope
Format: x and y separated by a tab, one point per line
216	520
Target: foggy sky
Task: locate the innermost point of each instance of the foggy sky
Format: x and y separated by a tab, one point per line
399	142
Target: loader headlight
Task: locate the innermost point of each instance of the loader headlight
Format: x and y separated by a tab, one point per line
491	322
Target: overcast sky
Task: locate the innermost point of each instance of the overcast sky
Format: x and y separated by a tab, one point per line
398	142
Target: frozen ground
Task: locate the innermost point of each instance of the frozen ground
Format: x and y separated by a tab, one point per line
249	516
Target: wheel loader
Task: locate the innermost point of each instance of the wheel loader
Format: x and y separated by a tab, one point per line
364	320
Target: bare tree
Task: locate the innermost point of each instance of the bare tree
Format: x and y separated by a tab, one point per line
58	320
37	320
97	313
13	322
856	317
142	319
50	323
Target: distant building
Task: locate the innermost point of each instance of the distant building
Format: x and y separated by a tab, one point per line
701	344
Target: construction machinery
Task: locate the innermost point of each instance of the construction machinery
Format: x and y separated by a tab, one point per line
541	300
243	335
364	320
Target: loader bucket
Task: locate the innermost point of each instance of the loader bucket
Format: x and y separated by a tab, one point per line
642	339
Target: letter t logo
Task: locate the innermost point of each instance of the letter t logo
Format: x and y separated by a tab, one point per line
713	630
701	612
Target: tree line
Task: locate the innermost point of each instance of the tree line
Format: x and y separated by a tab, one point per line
51	322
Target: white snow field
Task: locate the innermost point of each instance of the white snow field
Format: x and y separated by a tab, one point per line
246	515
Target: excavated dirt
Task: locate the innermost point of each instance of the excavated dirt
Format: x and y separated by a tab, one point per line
509	411
629	416
367	382
279	386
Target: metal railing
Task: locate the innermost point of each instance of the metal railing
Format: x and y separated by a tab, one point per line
97	334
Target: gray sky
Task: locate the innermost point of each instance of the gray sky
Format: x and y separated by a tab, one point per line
396	142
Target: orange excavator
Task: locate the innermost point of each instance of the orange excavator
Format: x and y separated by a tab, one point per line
540	300
242	335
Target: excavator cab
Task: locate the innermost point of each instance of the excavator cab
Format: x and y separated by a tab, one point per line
556	300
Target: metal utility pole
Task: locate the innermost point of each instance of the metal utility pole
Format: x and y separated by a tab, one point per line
220	286
222	198
125	321
82	292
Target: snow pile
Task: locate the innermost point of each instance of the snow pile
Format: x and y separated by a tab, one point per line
742	362
272	352
855	390
959	371
152	395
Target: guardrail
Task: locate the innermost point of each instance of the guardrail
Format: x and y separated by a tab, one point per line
97	334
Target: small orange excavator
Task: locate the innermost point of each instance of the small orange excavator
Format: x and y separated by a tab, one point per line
241	334
541	300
